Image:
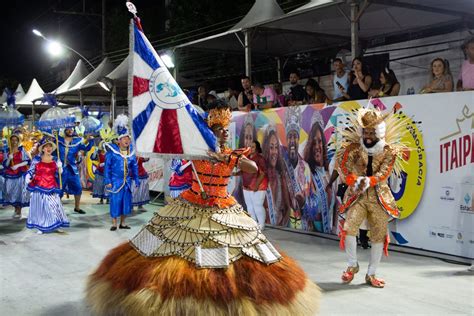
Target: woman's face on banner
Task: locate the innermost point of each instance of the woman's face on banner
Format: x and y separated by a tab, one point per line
274	147
248	135
318	148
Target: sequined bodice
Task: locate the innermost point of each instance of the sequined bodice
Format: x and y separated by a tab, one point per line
214	177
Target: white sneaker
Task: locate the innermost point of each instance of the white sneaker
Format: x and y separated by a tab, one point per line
60	230
471	268
16	216
39	232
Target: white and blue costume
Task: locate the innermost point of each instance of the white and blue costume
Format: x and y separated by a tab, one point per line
67	154
141	194
120	169
14	192
98	186
46	210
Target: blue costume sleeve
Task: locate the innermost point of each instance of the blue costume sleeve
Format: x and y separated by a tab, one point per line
31	171
108	168
87	147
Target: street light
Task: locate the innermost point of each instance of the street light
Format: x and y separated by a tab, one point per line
55	48
167	60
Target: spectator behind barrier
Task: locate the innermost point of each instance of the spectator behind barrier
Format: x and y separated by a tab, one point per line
296	94
232	97
263	98
201	98
389	83
246	97
340	78
359	81
315	94
375	89
466	75
279	92
440	76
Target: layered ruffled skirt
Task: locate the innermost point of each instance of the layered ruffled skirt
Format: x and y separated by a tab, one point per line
194	260
98	187
15	192
46	212
141	194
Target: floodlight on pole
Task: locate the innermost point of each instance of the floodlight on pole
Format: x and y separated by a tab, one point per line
55	47
167	60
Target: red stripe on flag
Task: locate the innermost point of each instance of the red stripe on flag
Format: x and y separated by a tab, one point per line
168	138
140	85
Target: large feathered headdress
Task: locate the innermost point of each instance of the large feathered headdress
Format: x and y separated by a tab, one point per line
121	126
389	127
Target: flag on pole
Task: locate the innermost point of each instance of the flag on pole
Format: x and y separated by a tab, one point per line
163	119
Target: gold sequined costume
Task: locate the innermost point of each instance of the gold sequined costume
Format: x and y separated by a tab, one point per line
366	172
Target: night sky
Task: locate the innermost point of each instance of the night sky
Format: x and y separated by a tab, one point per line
23	55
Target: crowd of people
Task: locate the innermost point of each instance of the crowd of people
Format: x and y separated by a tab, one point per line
37	170
355	83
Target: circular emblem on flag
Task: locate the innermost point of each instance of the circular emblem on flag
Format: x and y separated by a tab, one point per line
165	91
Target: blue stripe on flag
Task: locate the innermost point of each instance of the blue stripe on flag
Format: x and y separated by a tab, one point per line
141	120
144	50
206	132
399	238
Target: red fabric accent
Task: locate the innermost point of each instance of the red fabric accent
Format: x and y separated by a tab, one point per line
186	178
385	245
141	170
101	160
351	179
138	23
342	235
17	158
373	181
249	180
45	175
140	85
168	138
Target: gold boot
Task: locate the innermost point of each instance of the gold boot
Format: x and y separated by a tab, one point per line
374	282
348	275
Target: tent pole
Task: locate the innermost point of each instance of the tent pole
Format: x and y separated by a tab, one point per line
81	101
279	69
354	29
33	114
248	54
112	102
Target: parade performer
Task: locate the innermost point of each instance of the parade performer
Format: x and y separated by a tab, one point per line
46	210
2	171
16	166
371	150
141	194
98	186
120	169
69	147
181	178
202	254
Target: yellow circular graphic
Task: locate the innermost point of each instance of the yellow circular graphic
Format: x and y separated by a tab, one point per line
91	164
407	189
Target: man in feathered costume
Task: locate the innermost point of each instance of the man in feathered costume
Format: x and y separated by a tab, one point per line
372	149
120	169
69	148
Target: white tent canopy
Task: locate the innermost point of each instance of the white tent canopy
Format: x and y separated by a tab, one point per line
88	88
79	72
34	92
90	80
262	10
3	97
120	72
19	93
